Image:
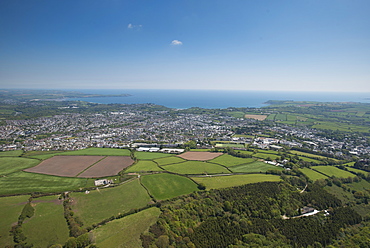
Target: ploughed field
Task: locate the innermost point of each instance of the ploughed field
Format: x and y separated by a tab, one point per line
82	166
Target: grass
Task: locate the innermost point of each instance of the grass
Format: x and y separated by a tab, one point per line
169	160
362	185
333	171
126	232
26	182
151	155
234	180
143	165
306	154
101	204
47	226
10	165
313	175
230	145
228	160
264	155
196	167
99	152
341	194
165	186
10	209
15	153
356	170
254	167
200	150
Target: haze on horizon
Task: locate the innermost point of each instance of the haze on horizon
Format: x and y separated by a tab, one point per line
286	45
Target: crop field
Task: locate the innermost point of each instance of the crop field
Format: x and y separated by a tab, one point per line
10	209
196	167
15	153
333	171
101	204
169	160
109	166
48	225
143	165
344	127
217	182
228	160
24	182
151	155
9	165
165	186
254	167
67	166
201	156
229	145
94	151
313	175
126	232
256	117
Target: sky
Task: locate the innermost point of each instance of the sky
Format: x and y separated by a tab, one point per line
278	45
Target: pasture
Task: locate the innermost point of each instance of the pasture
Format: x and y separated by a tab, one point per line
103	203
254	167
333	171
169	160
126	232
313	175
15	153
109	166
151	155
356	170
196	167
24	182
47	226
10	165
218	145
165	186
217	182
228	160
362	185
94	151
10	209
200	156
143	166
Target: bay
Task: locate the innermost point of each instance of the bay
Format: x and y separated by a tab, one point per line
183	99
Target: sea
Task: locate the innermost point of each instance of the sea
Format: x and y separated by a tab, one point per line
217	99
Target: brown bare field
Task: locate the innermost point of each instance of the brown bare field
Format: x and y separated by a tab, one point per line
256	117
109	166
200	156
66	166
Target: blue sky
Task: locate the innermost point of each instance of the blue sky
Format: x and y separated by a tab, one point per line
297	45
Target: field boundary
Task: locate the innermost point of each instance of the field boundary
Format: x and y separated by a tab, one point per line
90	166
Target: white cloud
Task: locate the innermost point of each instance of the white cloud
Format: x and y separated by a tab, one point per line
176	43
130	26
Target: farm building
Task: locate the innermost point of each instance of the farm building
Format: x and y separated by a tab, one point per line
102	182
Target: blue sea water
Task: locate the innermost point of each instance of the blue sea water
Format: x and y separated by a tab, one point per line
182	99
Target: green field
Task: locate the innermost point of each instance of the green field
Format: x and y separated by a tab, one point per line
196	167
264	155
10	209
229	145
313	175
254	167
217	182
306	154
48	225
126	232
169	160
15	153
101	204
9	165
341	194
333	171
362	185
228	160
165	186
151	155
25	182
357	170
99	152
143	165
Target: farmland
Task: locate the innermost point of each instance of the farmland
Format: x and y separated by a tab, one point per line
217	182
254	167
201	156
109	166
169	160
228	160
142	166
333	171
196	167
150	155
9	165
165	186
47	226
10	209
126	232
101	204
313	175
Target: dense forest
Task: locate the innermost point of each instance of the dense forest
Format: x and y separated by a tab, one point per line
263	214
